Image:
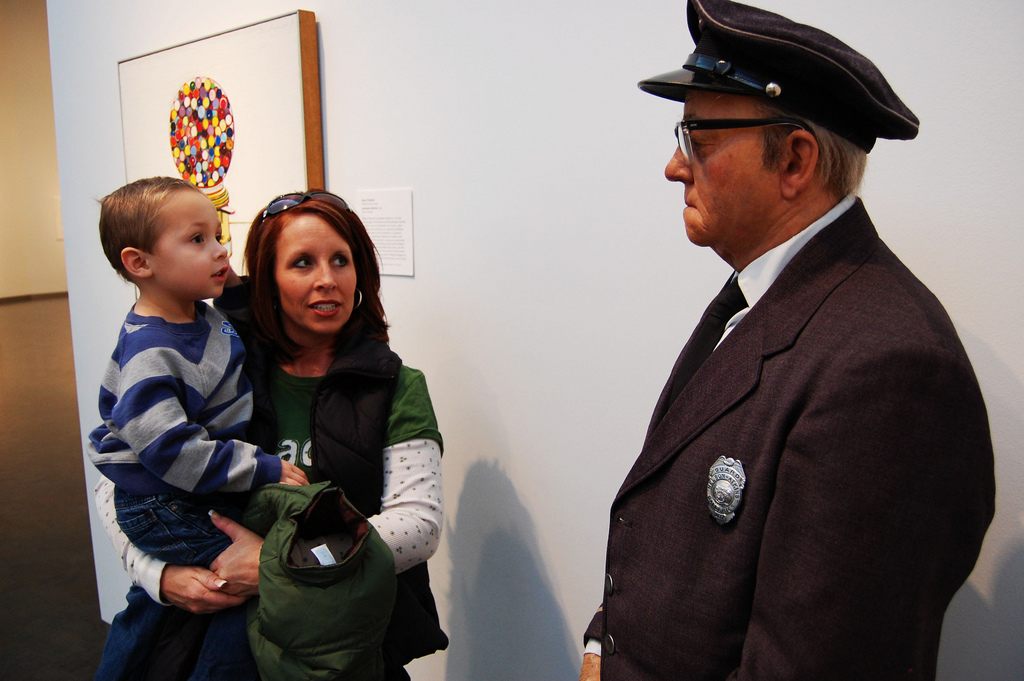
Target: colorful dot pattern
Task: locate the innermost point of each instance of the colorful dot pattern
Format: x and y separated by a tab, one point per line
202	132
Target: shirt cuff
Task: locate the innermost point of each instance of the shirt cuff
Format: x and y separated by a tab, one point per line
149	574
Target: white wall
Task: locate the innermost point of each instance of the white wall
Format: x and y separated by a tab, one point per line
31	243
554	284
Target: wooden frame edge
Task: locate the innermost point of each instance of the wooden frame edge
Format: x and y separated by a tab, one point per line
309	56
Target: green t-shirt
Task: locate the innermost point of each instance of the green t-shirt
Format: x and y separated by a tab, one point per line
411	418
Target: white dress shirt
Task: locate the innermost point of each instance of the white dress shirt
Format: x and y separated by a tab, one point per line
757	277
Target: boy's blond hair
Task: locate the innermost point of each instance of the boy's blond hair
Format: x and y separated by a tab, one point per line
128	216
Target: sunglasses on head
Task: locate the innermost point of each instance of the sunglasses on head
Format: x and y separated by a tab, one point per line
286	201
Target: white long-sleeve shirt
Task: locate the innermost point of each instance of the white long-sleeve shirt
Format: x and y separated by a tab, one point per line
409	521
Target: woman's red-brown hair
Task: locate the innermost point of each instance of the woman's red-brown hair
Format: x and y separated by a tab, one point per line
261	257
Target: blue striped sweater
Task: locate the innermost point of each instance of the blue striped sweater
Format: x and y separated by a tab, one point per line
174	403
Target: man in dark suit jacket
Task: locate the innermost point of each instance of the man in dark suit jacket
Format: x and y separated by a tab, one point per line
812	494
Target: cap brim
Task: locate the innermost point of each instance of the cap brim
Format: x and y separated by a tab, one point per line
676	84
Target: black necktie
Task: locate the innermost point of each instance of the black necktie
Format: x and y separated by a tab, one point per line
727	303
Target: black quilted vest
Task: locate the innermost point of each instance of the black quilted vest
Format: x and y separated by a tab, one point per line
347	428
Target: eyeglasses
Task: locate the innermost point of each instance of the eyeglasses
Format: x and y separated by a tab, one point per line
683	128
286	201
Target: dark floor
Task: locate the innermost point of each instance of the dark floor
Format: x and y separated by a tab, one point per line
50	625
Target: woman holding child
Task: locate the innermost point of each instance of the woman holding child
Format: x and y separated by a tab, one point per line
330	397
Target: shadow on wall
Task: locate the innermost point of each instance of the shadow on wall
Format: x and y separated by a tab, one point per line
982	641
505	622
981	638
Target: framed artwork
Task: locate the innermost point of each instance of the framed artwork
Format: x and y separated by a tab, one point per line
237	114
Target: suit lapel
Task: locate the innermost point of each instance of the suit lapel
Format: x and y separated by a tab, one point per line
663	404
729	374
733	371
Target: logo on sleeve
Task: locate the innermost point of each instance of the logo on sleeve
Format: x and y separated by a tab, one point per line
227	329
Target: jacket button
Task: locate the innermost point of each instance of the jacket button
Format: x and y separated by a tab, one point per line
609	585
608	645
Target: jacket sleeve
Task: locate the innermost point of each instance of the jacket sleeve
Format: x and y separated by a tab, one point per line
883	494
595	629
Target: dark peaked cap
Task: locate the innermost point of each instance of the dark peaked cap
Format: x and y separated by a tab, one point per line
801	69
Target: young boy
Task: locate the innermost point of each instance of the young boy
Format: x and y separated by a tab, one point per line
174	400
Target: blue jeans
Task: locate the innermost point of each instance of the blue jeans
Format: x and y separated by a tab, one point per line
175	528
131	654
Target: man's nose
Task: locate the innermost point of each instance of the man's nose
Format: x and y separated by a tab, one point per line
678	168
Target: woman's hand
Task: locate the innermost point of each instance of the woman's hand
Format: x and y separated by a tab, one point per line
293	475
238	565
195	589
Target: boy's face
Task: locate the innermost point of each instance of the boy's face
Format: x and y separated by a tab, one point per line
188	263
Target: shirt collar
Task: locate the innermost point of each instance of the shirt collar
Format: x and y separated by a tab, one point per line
757	277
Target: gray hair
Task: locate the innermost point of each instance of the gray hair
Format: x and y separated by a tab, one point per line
841	163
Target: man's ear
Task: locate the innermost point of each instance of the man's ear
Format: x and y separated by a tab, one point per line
136	262
799	163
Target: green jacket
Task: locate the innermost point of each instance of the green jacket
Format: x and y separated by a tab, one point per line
314	621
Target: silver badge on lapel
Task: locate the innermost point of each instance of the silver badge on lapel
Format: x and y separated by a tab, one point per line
726	481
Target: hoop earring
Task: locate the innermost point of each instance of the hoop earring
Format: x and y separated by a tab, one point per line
359	299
